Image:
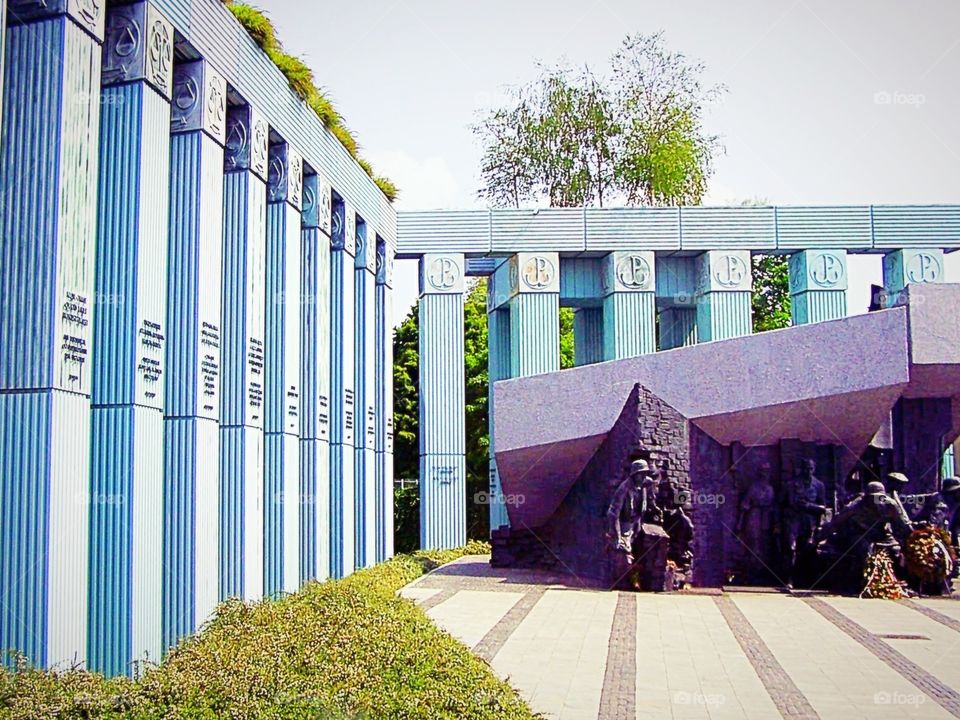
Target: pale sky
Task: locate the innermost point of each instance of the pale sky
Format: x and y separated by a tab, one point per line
801	122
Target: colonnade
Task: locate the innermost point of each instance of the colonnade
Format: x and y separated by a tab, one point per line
194	341
626	303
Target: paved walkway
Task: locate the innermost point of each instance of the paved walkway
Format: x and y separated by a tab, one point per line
575	652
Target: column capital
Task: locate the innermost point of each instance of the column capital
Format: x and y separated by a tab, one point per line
316	202
536	272
285	175
247	136
817	270
629	271
912	266
343	228
385	262
88	14
366	257
199	100
724	271
441	274
138	45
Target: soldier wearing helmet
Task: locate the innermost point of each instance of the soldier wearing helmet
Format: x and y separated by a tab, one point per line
631	501
872	520
894	484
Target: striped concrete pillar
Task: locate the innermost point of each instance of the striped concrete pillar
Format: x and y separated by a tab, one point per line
588	335
126	474
629	305
724	290
678	327
242	320
498	368
913	266
443	472
342	251
192	402
818	286
281	487
534	313
365	483
48	160
384	400
315	380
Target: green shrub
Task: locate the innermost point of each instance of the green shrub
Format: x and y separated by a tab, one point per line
300	78
341	649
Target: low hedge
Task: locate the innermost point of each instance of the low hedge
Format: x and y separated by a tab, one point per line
341	649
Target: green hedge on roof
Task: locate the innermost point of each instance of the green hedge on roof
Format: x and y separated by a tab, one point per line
300	77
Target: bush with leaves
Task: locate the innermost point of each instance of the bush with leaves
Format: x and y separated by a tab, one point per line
343	649
300	78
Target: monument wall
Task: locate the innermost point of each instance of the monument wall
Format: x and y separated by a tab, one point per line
177	341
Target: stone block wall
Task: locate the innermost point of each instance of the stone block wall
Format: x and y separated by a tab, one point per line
575	538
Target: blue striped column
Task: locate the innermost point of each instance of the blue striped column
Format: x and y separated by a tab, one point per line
242	320
723	299
443	471
126	475
534	313
342	317
281	494
629	305
384	400
818	286
192	403
588	335
913	266
498	368
315	382
365	483
678	327
48	158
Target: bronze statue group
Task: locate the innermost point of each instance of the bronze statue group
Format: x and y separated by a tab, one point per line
870	546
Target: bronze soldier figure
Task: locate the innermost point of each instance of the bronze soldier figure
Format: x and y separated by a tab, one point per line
872	520
804	505
628	508
755	521
894	484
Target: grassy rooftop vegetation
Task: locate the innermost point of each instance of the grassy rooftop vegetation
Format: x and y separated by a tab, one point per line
300	77
342	649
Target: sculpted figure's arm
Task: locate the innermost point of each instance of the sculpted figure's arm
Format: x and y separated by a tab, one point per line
900	522
841	517
613	512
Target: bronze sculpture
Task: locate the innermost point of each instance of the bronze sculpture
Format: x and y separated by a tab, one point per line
649	530
803	507
872	521
755	521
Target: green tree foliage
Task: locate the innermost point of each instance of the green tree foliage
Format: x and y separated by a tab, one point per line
771	293
572	137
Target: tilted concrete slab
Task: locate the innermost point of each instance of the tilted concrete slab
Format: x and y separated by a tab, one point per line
831	382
